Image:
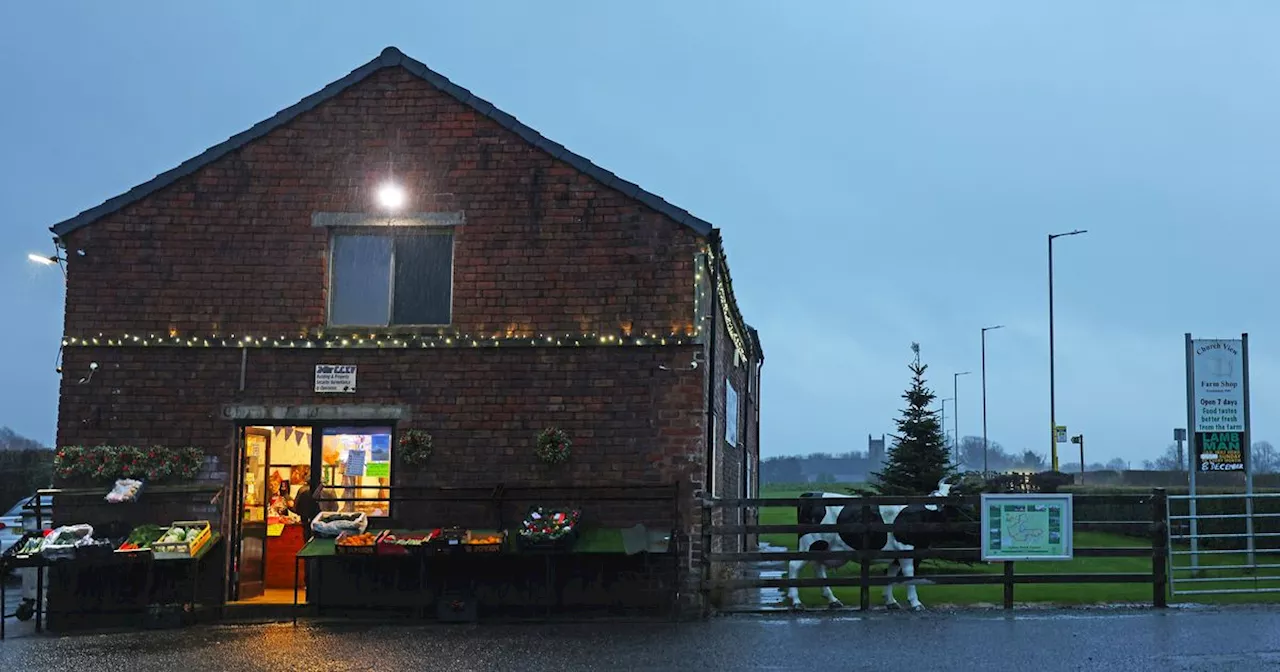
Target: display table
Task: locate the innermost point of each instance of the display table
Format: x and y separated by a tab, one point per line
92	568
590	542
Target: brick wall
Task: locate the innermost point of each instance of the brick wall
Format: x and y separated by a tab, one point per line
231	249
629	420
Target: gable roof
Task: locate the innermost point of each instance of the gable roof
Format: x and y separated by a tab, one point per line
390	57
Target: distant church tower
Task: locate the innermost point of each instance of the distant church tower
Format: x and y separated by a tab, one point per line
875	451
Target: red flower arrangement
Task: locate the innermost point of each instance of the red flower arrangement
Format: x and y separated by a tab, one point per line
108	463
543	525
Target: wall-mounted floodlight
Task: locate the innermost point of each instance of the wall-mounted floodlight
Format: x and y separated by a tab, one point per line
391	196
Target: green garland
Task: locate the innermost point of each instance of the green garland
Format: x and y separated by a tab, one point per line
108	463
553	446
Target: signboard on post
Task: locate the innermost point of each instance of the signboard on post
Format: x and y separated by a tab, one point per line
1219	395
1218	419
1060	434
1026	527
335	378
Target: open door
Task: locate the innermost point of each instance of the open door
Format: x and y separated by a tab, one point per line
252	546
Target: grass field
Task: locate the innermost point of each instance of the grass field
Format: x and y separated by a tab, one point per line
1067	594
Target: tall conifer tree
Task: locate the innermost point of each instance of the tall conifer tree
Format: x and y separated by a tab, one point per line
918	458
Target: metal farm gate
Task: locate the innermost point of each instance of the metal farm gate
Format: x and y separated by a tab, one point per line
1224	544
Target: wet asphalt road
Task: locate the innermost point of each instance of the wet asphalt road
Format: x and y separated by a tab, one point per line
1214	639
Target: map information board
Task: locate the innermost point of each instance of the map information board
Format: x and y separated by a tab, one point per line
1026	527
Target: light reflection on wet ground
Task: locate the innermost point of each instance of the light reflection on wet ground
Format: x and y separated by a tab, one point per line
1221	639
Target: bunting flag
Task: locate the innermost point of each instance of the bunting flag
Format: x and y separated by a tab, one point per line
288	434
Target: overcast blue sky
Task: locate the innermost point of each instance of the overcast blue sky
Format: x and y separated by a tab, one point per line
883	172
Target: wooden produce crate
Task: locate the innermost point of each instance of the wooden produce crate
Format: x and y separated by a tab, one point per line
485	541
340	548
177	550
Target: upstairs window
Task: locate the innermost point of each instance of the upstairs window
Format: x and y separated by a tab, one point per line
391	276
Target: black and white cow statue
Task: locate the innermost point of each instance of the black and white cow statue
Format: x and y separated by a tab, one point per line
815	513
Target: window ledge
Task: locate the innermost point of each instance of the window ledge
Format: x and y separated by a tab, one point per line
362	219
393	330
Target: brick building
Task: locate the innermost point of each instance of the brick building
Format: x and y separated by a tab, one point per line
507	286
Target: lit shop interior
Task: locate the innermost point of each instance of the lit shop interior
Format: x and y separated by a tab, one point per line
281	468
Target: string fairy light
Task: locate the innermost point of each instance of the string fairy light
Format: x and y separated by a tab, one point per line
385	341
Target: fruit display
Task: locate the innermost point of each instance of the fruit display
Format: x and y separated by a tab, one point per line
485	541
362	539
141	538
362	543
475	537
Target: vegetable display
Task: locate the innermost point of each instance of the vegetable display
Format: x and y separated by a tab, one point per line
142	537
177	534
31	546
406	539
63	541
70	535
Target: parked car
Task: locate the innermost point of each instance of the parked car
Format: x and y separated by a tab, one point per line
19	520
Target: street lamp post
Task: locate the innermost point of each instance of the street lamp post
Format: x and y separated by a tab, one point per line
955	410
1053	417
984	396
943	422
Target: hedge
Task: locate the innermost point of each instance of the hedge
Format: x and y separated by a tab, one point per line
22	472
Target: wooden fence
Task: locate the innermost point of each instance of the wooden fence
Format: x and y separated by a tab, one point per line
1153	526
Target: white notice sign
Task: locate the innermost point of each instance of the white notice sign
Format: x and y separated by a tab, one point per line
335	377
1218	366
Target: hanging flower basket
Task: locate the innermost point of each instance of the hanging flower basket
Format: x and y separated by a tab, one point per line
416	446
548	528
553	446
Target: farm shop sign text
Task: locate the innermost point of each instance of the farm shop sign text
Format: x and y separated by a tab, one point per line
335	378
1220	451
1218	369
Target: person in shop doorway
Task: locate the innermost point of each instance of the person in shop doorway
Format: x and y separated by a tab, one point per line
307	508
307	505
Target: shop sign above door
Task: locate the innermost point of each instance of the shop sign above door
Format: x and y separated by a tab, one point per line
335	378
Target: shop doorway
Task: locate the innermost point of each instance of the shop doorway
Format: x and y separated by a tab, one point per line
288	473
275	468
